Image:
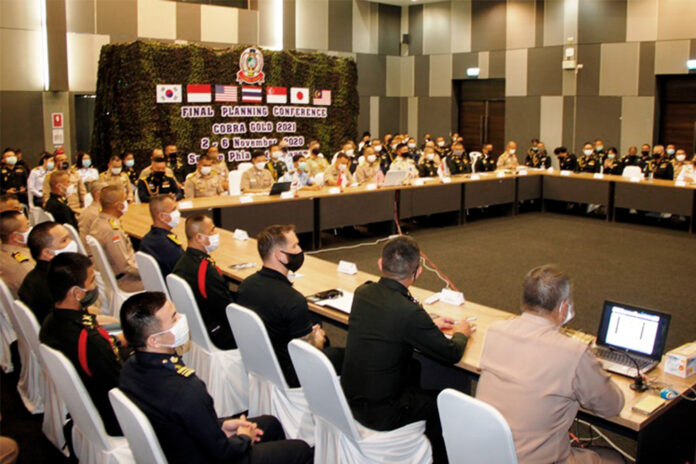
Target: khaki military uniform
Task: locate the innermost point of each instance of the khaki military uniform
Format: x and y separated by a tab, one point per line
119	251
404	164
317	165
15	264
222	170
366	172
122	180
507	161
77	199
256	179
87	218
197	185
333	176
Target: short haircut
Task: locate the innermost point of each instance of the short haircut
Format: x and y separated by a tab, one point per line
558	150
110	195
193	225
44	156
138	316
116	158
7	197
157	203
296	158
400	146
457	144
400	257
9	223
7	150
272	237
67	270
158	159
40	238
545	287
58	177
257	153
97	186
340	155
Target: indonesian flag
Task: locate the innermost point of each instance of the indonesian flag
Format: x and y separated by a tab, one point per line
277	95
299	95
322	97
168	93
198	93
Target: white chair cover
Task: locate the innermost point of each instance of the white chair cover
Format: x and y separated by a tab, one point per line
235	182
150	273
268	391
33	214
7	332
114	294
44	216
137	429
76	238
222	371
483	437
339	437
91	442
54	409
632	171
29	383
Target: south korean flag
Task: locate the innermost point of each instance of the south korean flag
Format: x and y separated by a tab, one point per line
169	93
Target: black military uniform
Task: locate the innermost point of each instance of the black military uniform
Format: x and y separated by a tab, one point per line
380	378
414	154
530	159
458	164
157	183
589	163
93	352
181	412
631	160
177	167
444	152
485	163
542	160
212	294
614	167
14	177
62	213
33	291
664	169
385	161
164	246
568	162
428	168
285	314
277	168
132	175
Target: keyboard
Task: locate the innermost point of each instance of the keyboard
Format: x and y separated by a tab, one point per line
620	363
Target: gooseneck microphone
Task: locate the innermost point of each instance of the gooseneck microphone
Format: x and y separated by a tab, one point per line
638	384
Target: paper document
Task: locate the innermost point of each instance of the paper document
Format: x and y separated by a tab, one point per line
342	303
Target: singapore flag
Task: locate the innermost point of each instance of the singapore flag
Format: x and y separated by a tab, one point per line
299	95
168	93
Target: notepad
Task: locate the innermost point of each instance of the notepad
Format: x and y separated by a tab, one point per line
342	303
648	405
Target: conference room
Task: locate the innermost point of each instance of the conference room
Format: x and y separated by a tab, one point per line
342	231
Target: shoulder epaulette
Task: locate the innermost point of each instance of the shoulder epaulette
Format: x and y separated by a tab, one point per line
87	321
114	224
190	175
174	239
20	257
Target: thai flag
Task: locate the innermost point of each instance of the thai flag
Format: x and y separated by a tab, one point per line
198	93
252	94
225	93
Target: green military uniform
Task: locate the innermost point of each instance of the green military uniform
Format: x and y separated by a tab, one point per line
156	183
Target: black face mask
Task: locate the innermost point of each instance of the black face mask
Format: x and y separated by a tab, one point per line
295	260
173	155
64	165
90	297
645	152
285	149
315	151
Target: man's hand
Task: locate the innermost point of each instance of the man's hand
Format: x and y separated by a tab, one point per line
251	430
231	426
318	336
464	327
444	323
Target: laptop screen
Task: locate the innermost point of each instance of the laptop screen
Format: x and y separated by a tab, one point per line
640	331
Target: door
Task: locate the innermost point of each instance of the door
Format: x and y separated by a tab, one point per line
482	122
677	96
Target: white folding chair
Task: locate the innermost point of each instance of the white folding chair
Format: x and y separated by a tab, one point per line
91	442
268	391
632	172
29	383
150	273
76	238
234	179
54	409
7	332
44	216
339	437
222	371
136	427
483	436
115	295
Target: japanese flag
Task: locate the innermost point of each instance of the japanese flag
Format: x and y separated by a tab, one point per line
299	95
168	93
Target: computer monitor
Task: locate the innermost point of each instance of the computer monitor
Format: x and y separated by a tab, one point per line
635	330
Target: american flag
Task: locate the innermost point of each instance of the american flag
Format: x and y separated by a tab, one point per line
225	93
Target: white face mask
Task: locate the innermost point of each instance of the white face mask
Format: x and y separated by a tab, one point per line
371	158
681	157
260	166
86	163
440	144
205	170
512	151
587	152
213	243
411	146
174	218
180	330
70	247
115	171
350	152
429	156
25	236
275	155
569	315
378	148
611	156
70	190
124	207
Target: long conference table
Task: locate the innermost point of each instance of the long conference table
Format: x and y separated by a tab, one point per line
667	435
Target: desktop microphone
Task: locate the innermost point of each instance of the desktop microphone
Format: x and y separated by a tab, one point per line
638	384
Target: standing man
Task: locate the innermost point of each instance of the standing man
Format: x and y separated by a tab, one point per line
380	378
37	176
508	159
204	182
158	181
161	242
538	378
257	179
14	262
13	176
57	204
114	175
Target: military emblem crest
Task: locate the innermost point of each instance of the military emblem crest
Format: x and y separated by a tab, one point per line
251	67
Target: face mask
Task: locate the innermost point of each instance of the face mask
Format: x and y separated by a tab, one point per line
315	151
587	152
180	330
342	167
275	155
429	156
394	146
130	163
86	163
24	235
205	170
670	151
295	260
260	166
174	218
378	148
50	165
64	165
350	152
611	156
302	166
440	144
411	146
71	247
69	190
284	149
457	152
645	152
512	151
116	171
681	157
213	243
535	149
599	148
371	158
173	155
124	207
90	297
11	160
569	315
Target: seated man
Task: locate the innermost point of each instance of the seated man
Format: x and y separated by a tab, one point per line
76	333
219	164
380	378
161	242
14	262
159	180
508	159
276	166
283	309
301	180
115	242
485	163
206	280
458	162
205	182
429	163
76	198
538	378
339	174
176	402
57	203
91	213
156	156
9	202
257	179
368	171
115	175
315	160
566	161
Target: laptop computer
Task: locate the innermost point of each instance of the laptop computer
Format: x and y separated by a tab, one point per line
393	178
628	332
280	187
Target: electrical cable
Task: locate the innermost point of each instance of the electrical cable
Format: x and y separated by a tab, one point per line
348	247
608	440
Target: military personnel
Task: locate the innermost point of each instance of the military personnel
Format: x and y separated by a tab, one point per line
114	175
542	160
204	182
90	213
339	174
386	326
13	176
600	150
175	163
485	163
566	161
670	150
257	179
429	163
177	403
457	162
15	262
37	176
632	158
276	165
369	169
301	180
347	149
403	162
508	159
83	166
9	202
75	332
117	246
161	242
364	142
129	167
441	148
645	152
663	168
414	152
57	204
158	181
76	199
315	160
20	160
532	152
157	156
612	165
219	164
658	152
589	161
209	287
